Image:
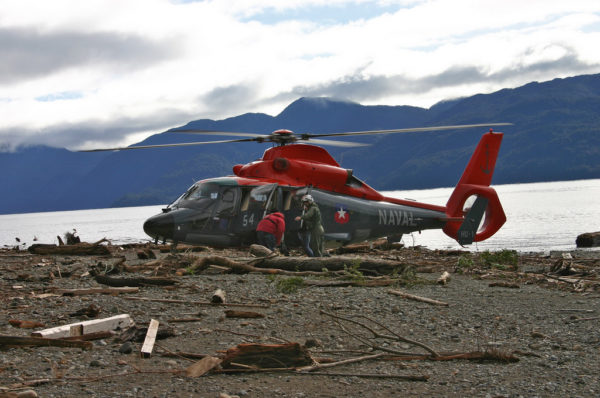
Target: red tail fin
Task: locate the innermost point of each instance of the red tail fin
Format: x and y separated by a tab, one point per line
480	169
475	181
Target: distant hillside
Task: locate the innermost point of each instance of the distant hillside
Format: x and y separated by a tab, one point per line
38	178
555	137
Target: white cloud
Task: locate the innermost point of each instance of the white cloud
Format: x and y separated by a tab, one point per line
153	64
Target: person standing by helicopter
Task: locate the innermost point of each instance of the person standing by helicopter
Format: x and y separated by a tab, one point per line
311	228
269	231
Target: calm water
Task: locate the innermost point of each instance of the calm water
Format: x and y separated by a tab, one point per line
541	217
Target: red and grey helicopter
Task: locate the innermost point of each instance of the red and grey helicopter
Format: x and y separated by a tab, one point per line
225	211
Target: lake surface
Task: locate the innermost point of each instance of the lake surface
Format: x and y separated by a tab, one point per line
541	217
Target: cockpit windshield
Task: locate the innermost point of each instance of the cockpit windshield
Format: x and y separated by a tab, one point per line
201	195
205	190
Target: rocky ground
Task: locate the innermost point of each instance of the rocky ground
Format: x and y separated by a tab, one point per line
505	325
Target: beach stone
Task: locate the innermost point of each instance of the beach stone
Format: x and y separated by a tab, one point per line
588	239
126	348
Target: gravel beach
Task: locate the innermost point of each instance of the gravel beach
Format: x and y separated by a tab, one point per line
533	320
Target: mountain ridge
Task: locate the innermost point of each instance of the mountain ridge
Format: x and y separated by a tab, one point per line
555	137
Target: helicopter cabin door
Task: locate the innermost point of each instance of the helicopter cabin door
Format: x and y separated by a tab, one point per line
256	204
225	209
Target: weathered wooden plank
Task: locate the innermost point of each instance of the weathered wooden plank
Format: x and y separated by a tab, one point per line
76	330
204	365
122	321
148	345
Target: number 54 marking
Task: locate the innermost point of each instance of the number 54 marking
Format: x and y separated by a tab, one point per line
248	220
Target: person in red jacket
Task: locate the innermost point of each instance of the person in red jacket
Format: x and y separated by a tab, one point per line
270	229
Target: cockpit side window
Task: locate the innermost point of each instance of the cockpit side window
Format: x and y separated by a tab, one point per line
227	203
258	200
259	197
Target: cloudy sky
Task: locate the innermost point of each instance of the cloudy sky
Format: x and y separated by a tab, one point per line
94	73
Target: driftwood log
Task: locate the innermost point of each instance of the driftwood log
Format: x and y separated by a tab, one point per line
134	282
488	355
380	244
336	263
265	356
13	341
243	314
218	297
417	298
80	249
279	265
181	248
260	251
111	290
25	324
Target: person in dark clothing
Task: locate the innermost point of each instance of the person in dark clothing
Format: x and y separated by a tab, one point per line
270	229
304	233
311	230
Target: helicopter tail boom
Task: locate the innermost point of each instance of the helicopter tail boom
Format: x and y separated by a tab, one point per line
484	217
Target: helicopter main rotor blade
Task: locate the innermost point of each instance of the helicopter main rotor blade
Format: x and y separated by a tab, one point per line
165	145
291	138
215	132
306	136
268	138
408	130
347	144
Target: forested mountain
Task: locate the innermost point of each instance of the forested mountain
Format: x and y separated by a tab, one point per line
555	136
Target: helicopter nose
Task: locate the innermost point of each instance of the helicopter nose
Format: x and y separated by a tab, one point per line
160	226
